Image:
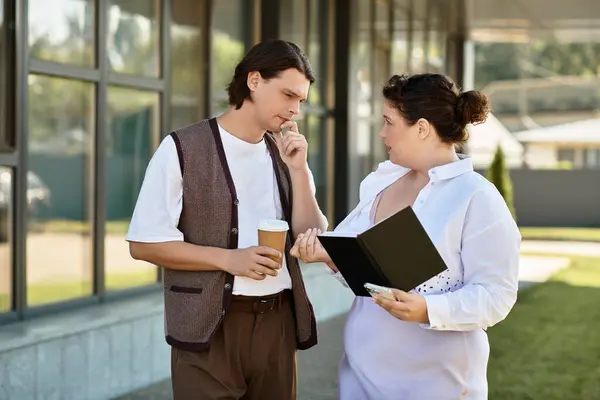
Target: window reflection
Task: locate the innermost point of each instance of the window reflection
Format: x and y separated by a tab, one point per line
4	63
318	12
6	215
437	35
62	31
133	117
59	247
400	46
360	92
293	21
133	37
229	35
316	135
187	43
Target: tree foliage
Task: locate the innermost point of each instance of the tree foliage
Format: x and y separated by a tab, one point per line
498	174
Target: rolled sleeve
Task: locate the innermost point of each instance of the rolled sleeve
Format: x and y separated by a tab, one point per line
158	208
490	259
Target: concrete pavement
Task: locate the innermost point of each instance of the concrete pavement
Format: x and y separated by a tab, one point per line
590	249
317	375
317	368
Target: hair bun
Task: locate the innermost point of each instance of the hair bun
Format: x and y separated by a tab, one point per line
472	107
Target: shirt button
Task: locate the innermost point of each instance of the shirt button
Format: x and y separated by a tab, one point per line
234	231
228	286
236	202
223	312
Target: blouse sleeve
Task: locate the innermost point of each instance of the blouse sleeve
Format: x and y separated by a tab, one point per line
490	258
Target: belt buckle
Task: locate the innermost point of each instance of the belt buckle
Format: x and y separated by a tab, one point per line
260	302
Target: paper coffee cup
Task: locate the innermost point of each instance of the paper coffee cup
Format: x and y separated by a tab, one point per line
273	233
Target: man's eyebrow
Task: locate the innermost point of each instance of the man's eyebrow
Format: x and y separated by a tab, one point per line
290	91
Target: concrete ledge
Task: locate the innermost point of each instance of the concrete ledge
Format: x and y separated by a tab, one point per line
105	351
98	352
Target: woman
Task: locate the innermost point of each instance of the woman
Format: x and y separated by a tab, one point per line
430	343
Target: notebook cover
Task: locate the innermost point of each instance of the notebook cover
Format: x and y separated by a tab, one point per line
403	250
353	263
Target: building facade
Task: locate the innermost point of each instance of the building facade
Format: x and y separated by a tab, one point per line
88	90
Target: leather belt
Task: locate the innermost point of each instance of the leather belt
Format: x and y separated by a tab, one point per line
260	304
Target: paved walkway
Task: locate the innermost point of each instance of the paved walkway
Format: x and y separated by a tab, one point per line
536	269
317	368
590	249
317	375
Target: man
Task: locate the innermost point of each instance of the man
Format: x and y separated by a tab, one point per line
234	317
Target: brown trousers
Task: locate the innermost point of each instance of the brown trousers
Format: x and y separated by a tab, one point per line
252	356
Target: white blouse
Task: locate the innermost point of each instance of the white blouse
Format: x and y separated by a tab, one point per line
474	232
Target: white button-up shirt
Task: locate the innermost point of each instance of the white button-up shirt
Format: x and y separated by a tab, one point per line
469	223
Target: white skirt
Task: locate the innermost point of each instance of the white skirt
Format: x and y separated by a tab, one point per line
385	358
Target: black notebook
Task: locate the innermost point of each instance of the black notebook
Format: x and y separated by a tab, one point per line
396	253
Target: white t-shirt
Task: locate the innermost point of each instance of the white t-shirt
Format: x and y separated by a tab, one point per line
158	208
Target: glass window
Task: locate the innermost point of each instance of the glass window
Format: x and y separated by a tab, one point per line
3	69
293	22
318	14
418	59
59	246
229	34
316	135
187	45
437	37
400	43
418	50
360	93
6	215
382	20
133	37
133	118
62	31
316	126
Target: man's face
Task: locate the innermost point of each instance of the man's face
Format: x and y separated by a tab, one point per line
277	100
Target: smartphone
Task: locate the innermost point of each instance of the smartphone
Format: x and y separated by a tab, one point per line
380	290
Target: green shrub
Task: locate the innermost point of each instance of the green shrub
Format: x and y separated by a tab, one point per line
497	173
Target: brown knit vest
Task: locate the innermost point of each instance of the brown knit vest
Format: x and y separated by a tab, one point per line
196	302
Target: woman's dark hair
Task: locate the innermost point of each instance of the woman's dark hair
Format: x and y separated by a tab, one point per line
270	58
437	99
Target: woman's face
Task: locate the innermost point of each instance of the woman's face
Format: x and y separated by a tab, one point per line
405	144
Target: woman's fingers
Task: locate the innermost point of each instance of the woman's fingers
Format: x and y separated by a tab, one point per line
312	243
303	246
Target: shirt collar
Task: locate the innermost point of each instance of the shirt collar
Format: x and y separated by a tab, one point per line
452	170
388	172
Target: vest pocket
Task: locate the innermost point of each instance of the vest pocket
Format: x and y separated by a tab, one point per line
185	314
185	289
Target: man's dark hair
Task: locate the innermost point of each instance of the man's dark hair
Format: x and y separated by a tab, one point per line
269	58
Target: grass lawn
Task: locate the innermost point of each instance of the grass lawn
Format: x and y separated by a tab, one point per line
4	303
46	293
70	226
549	346
579	234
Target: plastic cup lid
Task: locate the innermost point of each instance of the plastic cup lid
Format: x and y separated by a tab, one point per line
273	225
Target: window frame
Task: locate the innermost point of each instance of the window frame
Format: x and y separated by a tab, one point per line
16	156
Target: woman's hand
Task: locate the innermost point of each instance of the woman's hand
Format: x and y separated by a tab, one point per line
308	249
410	307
